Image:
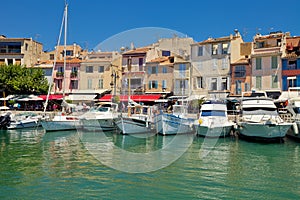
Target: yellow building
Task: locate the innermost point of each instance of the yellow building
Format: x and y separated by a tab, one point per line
20	51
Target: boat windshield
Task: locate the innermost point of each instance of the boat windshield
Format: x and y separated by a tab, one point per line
296	110
259	111
103	109
206	113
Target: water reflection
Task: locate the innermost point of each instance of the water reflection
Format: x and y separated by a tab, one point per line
132	154
53	164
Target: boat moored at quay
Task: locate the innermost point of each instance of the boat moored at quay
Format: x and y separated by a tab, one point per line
213	120
259	119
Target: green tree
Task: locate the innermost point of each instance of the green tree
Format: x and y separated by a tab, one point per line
16	79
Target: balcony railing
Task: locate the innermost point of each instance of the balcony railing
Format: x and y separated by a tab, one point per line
74	75
59	74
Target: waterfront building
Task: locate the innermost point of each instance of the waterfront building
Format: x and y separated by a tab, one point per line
266	60
168	67
20	51
133	70
211	61
291	63
159	77
241	71
66	79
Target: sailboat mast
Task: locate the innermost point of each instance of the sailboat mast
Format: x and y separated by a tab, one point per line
54	63
65	50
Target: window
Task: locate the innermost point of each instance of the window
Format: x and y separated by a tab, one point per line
225	48
278	42
166	53
10	47
292	64
291	81
182	70
213	85
153	70
10	61
224	84
258	63
51	56
164	84
141	61
153	84
260	44
74	69
247	87
214	49
100	84
60	69
89	69
199	82
164	70
274	62
200	51
238	87
240	71
90	84
26	47
274	81
69	53
258	82
224	63
74	84
101	69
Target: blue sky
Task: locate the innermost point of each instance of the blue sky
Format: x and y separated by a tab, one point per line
91	22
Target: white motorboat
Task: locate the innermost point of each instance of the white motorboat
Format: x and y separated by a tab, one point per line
259	119
176	122
213	120
138	121
293	115
25	120
100	118
61	122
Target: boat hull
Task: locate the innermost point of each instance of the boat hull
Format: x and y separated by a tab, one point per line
61	123
98	124
205	131
261	131
24	124
168	124
132	126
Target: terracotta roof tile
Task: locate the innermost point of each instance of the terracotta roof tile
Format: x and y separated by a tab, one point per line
137	50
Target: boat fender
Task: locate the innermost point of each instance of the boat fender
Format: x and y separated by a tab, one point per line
235	126
295	127
200	121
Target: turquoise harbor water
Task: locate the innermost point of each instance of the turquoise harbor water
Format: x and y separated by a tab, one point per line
39	165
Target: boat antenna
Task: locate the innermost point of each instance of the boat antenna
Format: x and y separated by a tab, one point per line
54	63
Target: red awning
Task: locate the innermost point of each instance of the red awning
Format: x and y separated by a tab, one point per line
137	98
51	96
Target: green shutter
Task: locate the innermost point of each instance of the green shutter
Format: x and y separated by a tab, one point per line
258	63
274	62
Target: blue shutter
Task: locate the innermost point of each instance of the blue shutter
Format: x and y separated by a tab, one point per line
298	63
298	81
284	64
284	83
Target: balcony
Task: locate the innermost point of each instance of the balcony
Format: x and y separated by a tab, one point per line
74	75
59	75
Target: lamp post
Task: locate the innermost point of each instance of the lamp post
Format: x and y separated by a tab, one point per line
113	84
